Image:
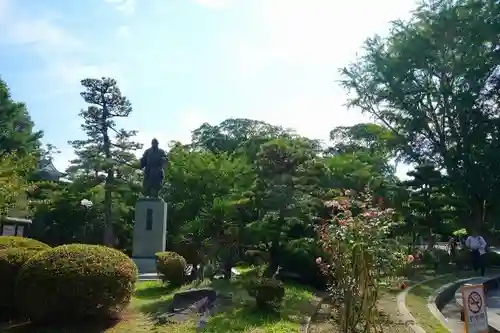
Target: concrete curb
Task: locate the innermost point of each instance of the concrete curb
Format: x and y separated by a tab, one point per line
408	318
443	291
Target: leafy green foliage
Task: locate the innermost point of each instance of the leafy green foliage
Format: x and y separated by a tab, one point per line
7	242
17	134
11	261
76	281
268	292
14	184
172	267
433	83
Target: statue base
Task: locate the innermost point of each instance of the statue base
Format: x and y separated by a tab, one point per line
150	233
145	265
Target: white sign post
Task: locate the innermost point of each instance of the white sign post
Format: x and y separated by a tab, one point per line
474	302
9	230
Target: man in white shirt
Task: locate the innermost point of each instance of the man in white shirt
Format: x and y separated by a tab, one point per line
477	245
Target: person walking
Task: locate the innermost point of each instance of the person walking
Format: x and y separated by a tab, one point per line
452	247
477	246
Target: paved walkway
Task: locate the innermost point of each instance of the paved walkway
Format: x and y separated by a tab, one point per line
452	310
493	303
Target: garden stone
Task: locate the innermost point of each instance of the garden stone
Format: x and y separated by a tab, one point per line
188	298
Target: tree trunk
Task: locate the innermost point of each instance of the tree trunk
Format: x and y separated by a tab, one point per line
272	268
108	237
432	239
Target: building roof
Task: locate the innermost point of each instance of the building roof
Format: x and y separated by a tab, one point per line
47	170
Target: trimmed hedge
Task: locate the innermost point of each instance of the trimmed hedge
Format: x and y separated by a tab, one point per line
11	262
27	243
172	267
76	281
268	293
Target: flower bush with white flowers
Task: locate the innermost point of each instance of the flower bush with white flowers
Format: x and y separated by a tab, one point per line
359	253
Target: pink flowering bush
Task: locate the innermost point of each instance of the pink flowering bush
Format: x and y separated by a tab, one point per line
359	253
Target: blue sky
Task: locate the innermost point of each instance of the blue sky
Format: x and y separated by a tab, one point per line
184	62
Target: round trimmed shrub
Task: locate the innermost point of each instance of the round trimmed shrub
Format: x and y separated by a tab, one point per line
76	281
172	267
268	293
17	241
11	262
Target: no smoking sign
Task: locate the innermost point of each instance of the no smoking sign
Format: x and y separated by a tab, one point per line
476	319
474	302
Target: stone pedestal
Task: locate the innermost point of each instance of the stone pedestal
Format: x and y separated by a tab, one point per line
150	233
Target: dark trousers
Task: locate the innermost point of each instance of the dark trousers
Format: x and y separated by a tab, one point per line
478	262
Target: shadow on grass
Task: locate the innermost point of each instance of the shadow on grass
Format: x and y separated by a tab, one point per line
87	326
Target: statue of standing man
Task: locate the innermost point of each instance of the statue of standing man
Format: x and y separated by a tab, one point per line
153	162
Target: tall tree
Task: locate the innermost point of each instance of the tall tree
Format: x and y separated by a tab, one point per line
428	203
373	138
236	135
432	83
16	127
285	194
106	147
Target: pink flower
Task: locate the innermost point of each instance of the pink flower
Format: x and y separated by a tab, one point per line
318	260
331	203
370	213
410	258
344	203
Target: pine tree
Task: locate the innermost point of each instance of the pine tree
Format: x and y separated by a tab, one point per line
106	149
17	132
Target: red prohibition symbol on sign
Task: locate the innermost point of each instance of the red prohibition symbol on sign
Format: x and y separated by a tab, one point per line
474	302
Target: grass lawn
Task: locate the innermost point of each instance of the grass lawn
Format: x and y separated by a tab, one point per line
152	298
416	302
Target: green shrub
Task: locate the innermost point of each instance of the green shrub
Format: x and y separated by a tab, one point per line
268	293
11	262
208	271
299	257
16	241
172	267
189	251
435	256
76	281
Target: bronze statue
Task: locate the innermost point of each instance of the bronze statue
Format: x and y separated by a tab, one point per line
153	161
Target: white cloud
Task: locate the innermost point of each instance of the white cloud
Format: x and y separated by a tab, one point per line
71	71
125	6
41	33
315	37
60	50
214	3
185	122
316	32
123	32
311	117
